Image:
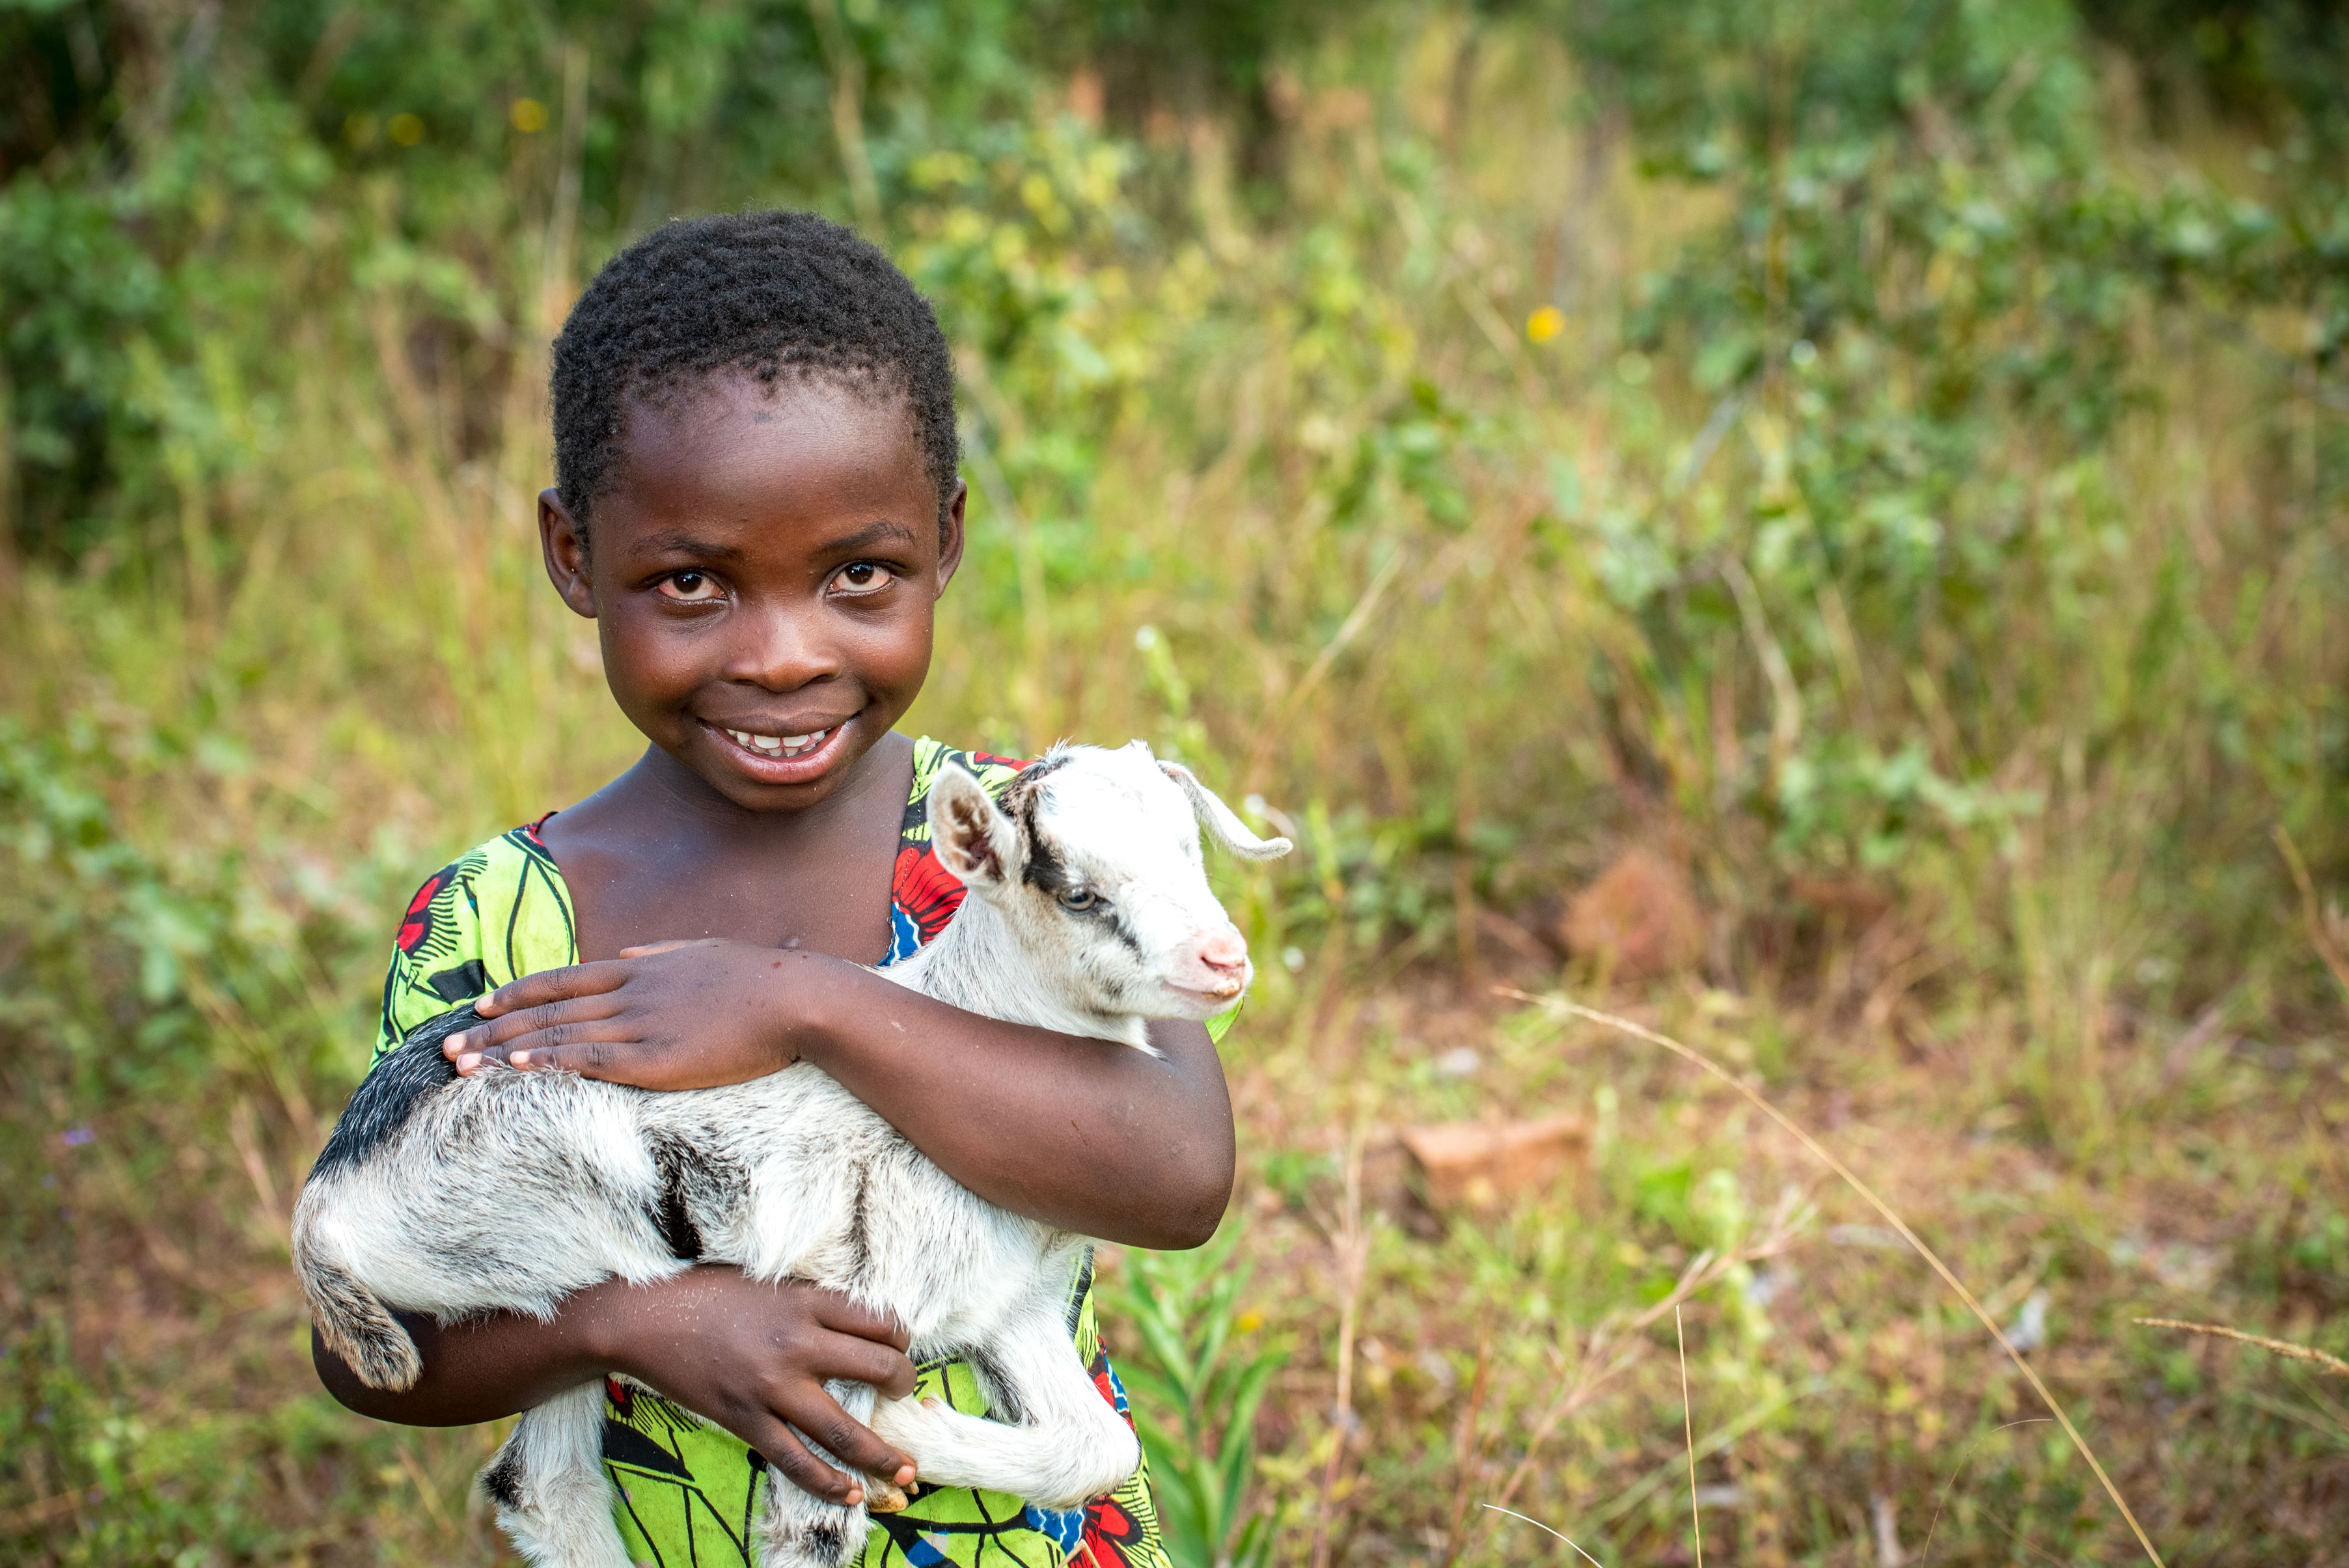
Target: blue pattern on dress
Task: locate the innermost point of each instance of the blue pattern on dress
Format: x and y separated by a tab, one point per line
1063	1527
904	937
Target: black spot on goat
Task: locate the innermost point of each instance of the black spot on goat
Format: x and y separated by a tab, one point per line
412	1069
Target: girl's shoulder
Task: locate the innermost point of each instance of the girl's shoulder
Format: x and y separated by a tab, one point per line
503	910
923	894
995	773
497	912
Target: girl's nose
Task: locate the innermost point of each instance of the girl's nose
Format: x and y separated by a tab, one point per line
781	651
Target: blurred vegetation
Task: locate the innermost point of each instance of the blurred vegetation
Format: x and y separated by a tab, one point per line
1889	461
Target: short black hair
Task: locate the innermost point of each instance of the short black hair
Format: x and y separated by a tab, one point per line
772	295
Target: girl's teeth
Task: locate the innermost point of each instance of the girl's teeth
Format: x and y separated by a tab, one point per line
778	745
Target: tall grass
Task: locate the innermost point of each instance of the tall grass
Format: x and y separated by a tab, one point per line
1962	644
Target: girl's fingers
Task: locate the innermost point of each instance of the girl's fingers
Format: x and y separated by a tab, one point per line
553	985
508	1027
777	1446
847	1440
605	1059
865	1361
841	1315
597	1048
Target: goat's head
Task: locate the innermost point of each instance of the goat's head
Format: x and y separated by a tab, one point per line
1093	861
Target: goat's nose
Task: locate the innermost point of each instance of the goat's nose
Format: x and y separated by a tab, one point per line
1225	949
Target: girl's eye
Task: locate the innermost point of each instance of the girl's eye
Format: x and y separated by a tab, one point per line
862	578
690	588
1079	900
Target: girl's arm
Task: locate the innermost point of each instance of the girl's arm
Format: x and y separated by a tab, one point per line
1080	1134
751	1357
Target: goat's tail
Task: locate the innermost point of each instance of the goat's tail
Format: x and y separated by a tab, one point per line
354	1321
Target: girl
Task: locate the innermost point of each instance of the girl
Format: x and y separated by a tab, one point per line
757	502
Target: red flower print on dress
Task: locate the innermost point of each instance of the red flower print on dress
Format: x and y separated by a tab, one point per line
418	925
925	890
1110	1528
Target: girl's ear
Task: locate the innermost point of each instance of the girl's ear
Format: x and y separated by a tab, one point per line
950	535
564	543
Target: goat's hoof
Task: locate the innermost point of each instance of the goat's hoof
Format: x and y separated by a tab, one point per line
882	1496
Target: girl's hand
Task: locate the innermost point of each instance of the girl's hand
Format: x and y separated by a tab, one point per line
673	1015
753	1359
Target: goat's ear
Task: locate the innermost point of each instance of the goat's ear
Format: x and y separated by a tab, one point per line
972	836
1223	821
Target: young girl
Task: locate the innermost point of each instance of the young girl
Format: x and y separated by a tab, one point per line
757	504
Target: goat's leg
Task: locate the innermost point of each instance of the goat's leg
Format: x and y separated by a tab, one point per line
806	1532
1060	1444
553	1498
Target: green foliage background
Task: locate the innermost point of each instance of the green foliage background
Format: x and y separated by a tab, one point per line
1892	458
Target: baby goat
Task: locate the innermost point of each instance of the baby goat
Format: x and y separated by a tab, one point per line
1088	912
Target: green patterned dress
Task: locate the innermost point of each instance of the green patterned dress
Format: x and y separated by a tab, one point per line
689	1490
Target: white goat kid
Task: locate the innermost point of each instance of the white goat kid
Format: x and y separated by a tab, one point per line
1089	912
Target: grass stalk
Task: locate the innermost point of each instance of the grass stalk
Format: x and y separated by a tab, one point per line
1688	1434
1602	1361
1351	1244
1942	1502
2328	942
2283	1348
1820	1152
1537	1524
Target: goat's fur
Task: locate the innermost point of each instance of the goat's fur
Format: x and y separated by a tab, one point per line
1088	905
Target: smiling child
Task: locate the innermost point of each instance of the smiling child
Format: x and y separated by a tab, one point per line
757	504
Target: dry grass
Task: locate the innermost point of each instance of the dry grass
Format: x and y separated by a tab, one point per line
1867	1194
2085	1048
1908	1413
2330	1362
1862	1385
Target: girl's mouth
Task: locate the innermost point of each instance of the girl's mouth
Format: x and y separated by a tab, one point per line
781	759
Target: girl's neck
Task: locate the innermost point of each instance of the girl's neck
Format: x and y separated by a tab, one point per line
673	801
656	856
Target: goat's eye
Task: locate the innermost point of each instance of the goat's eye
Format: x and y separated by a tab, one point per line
1079	899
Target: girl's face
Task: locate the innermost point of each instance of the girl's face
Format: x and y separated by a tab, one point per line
762	579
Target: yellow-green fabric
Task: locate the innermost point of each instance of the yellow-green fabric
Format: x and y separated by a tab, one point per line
687	1491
